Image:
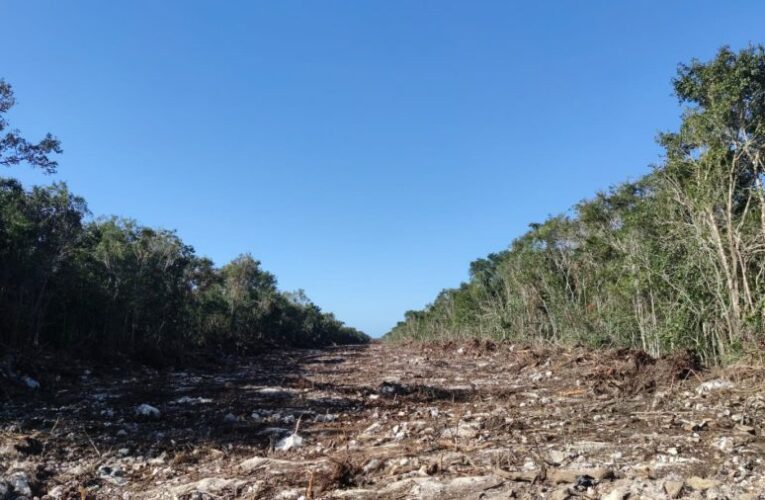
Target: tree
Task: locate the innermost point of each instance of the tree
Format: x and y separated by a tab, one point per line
14	148
676	259
714	172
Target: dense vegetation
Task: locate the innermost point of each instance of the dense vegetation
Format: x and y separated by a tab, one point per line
109	286
674	260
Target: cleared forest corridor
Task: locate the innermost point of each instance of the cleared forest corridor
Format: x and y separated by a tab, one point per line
448	420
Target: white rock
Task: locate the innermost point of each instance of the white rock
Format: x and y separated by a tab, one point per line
56	492
329	417
230	418
189	400
372	465
277	392
725	444
291	441
30	382
714	385
212	486
293	494
557	456
617	494
20	483
146	410
372	429
114	475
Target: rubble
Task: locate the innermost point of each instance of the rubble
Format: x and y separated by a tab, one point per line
414	421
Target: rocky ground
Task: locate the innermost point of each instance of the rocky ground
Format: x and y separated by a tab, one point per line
473	420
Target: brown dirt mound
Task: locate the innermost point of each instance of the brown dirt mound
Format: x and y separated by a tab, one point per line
634	371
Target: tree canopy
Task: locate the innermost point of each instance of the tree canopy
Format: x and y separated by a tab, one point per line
14	148
673	260
110	285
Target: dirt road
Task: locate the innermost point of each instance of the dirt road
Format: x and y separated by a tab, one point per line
473	420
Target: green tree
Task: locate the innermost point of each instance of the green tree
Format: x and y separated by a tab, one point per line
14	148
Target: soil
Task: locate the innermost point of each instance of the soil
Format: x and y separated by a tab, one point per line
446	420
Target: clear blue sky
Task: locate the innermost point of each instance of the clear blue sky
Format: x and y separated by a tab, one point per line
364	151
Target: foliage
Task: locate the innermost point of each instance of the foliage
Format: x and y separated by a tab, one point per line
674	260
15	149
113	286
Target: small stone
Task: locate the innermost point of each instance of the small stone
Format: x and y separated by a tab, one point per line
329	417
714	385
696	426
290	442
701	484
392	389
620	493
230	418
725	444
585	477
31	383
745	429
146	410
55	492
20	484
372	429
585	481
673	489
556	457
560	494
372	465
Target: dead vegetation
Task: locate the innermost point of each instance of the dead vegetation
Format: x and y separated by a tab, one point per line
441	420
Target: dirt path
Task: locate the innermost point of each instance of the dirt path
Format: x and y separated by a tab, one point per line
408	421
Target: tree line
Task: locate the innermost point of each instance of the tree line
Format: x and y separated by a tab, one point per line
674	260
101	286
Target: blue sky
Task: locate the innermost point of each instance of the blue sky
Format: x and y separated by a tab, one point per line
363	151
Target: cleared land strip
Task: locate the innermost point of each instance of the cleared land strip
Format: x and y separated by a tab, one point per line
472	420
